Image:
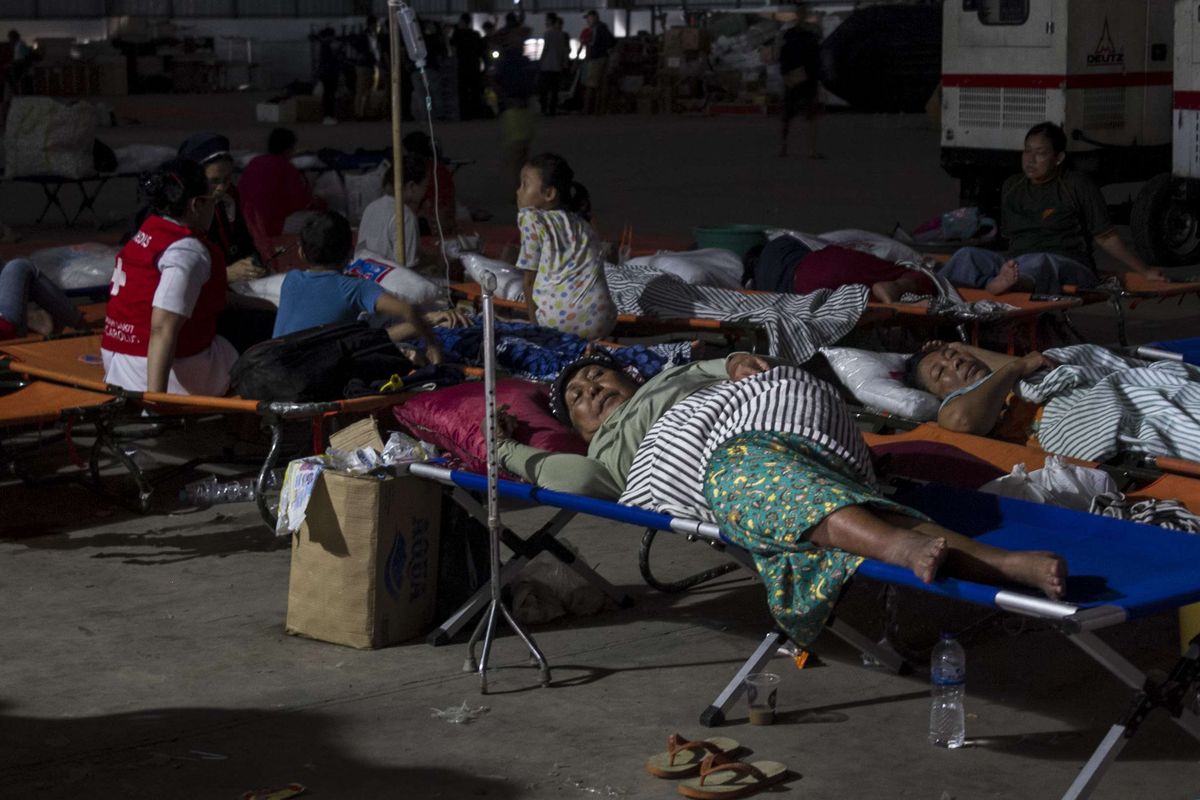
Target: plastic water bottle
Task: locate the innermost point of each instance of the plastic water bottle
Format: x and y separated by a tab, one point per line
947	676
209	491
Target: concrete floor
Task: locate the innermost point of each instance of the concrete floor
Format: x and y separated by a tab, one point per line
144	656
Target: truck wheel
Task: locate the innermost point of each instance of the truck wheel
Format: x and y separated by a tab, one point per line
1166	230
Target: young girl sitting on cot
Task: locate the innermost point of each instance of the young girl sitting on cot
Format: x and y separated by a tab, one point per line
564	269
320	294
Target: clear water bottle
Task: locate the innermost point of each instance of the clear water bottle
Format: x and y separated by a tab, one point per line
947	676
209	491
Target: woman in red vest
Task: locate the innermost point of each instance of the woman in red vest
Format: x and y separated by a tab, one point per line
167	289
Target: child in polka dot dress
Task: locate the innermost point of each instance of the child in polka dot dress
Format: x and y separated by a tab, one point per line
564	270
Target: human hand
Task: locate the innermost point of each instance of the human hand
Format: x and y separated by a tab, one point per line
1154	274
931	345
433	353
243	270
745	365
506	424
1034	361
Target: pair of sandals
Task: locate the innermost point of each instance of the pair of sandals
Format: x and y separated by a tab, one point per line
711	770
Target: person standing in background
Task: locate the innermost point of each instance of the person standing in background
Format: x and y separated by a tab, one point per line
553	63
366	67
468	50
800	65
329	69
599	44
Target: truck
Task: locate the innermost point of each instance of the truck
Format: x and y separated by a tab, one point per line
1105	71
1166	213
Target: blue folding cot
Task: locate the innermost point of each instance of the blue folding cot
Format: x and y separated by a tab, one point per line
1119	571
1185	350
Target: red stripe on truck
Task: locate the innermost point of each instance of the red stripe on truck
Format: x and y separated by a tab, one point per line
1187	101
1099	81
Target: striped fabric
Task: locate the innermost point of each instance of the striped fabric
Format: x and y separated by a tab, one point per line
1098	404
796	325
1170	514
667	474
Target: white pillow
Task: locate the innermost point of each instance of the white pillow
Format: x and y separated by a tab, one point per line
875	380
712	266
402	282
876	244
510	281
267	288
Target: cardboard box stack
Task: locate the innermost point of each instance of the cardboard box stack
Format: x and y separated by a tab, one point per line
745	61
682	68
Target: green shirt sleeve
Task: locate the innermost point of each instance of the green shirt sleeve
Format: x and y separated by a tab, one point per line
1092	208
561	472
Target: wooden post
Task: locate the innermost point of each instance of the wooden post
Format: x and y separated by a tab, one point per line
397	147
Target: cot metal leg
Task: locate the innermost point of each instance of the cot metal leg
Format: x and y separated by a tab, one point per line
87	201
105	439
714	715
1176	694
1119	308
683	584
260	485
882	652
52	201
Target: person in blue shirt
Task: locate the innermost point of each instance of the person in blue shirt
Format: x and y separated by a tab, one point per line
320	294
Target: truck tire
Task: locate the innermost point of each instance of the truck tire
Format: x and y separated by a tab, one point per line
1166	230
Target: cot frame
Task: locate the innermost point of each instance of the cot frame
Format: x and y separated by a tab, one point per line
1176	694
273	416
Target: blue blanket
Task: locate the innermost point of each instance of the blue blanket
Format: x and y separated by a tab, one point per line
537	353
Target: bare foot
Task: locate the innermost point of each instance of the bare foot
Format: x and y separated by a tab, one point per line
39	321
1039	569
887	291
1005	279
922	554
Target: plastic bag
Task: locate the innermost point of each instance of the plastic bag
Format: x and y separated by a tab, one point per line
509	280
548	589
77	266
1057	483
401	449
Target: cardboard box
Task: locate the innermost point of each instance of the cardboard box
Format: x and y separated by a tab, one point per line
276	112
365	561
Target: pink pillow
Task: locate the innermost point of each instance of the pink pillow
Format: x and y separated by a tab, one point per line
452	419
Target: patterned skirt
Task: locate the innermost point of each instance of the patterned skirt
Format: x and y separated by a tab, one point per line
767	491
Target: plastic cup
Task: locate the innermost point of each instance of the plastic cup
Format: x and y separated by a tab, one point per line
761	695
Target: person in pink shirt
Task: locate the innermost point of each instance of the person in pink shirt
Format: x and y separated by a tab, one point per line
272	189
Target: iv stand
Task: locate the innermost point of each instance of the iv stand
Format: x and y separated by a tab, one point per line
487	625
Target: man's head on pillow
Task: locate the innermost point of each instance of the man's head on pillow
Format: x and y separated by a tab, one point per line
943	370
588	390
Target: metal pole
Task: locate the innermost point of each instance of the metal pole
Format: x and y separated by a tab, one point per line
397	114
496	607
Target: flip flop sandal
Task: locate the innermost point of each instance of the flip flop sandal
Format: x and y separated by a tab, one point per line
724	778
683	758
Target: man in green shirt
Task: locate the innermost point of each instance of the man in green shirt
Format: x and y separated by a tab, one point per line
1051	216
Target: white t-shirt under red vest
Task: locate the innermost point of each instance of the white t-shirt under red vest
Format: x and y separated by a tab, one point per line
135	280
169	266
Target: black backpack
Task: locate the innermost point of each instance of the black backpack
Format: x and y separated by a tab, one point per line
316	364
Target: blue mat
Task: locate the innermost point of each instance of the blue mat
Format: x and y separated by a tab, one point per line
1140	568
1189	348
